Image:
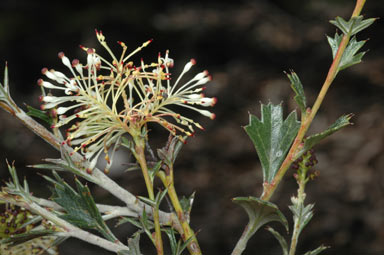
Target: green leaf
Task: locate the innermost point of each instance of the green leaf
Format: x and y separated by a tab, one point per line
172	239
260	212
160	196
43	115
154	170
297	87
280	238
30	235
312	140
129	220
350	56
186	203
79	206
272	137
334	43
177	247
317	251
353	26
148	201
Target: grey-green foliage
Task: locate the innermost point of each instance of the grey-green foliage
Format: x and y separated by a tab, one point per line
301	214
80	208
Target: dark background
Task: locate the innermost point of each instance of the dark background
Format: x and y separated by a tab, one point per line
246	46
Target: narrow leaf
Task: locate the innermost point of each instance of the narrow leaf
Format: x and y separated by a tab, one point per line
182	246
148	201
21	238
281	239
160	196
317	251
297	87
312	140
260	212
129	220
43	115
172	239
272	137
154	170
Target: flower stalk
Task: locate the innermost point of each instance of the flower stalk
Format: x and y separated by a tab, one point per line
188	234
139	154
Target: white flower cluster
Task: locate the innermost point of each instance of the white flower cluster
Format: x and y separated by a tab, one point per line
111	98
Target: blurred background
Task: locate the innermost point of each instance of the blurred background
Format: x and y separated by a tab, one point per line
246	46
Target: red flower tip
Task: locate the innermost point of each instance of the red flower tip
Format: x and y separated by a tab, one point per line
53	126
41	98
44	70
75	62
90	51
213	116
61	54
193	61
89	171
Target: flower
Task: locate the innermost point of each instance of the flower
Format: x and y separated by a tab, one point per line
106	99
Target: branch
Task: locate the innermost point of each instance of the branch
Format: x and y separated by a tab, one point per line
69	229
103	180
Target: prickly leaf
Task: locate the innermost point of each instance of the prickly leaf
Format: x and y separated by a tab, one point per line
297	87
312	140
272	137
353	26
80	207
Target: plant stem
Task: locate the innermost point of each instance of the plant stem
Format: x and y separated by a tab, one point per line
140	157
269	188
69	229
188	233
296	228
